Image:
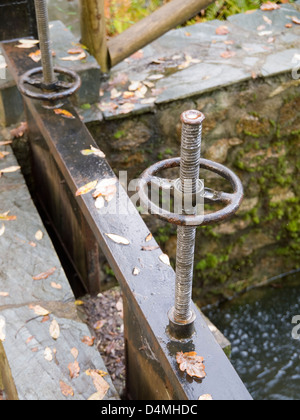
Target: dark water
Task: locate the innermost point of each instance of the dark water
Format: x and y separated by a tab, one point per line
259	326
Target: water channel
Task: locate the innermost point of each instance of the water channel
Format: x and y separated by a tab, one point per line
264	352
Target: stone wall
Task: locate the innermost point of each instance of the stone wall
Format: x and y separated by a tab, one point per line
253	128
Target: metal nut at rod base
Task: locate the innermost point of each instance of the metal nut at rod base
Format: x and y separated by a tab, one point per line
181	331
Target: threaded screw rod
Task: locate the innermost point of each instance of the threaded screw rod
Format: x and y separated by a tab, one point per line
189	176
45	43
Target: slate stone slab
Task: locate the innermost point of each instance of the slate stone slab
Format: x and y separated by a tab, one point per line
24	371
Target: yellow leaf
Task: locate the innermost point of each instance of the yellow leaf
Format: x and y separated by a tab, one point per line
86	188
64	113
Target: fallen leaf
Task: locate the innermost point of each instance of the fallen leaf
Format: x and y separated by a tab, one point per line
64	113
39	235
296	20
4	294
136	271
89	341
6	217
106	188
48	354
56	286
39	310
99	324
5	143
28	41
267	20
269	6
66	390
165	259
228	54
74	369
45	275
19	131
9	170
79	302
93	151
54	330
2	229
99	203
150	248
149	237
77	50
78	57
118	239
192	364
155	77
126	108
2	329
289	25
100	384
36	56
222	30
206	397
137	55
3	154
74	352
86	188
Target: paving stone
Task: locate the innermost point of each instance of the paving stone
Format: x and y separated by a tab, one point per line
24	371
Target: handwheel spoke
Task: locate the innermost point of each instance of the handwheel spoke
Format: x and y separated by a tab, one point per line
212	196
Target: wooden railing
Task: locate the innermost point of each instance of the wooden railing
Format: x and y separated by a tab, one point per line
111	52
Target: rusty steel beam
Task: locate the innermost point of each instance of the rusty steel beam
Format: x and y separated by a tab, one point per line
152	370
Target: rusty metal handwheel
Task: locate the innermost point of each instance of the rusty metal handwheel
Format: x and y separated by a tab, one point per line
232	201
54	92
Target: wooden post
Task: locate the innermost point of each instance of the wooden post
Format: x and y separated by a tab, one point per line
152	27
93	30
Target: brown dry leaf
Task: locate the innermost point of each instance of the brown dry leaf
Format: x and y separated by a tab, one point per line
45	275
54	330
9	170
192	364
206	397
86	188
99	324
5	143
2	229
4	294
64	113
74	369
66	390
107	189
296	20
289	25
118	239
228	54
89	341
100	384
269	6
126	108
6	217
222	30
108	107
138	55
267	20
